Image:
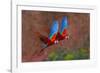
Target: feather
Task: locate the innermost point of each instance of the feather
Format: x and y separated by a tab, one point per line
53	30
64	24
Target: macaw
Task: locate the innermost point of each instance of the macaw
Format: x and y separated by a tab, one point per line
51	39
63	34
55	36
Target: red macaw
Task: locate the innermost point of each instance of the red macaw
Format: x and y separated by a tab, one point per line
63	34
55	36
51	39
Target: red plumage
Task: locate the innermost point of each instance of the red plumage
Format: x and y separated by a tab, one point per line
63	35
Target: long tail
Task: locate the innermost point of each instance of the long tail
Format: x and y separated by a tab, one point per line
42	50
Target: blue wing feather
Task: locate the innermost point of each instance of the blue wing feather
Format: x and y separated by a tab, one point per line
64	24
54	29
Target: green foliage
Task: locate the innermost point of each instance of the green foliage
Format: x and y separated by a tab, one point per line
52	56
64	54
69	56
83	53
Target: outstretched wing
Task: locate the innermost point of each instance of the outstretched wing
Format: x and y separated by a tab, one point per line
64	26
53	31
52	36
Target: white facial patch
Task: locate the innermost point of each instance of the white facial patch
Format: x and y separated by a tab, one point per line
67	37
56	42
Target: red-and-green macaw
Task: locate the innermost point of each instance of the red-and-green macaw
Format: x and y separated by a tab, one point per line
63	33
55	36
52	38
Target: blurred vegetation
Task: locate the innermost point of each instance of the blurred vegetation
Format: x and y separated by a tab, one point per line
66	54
